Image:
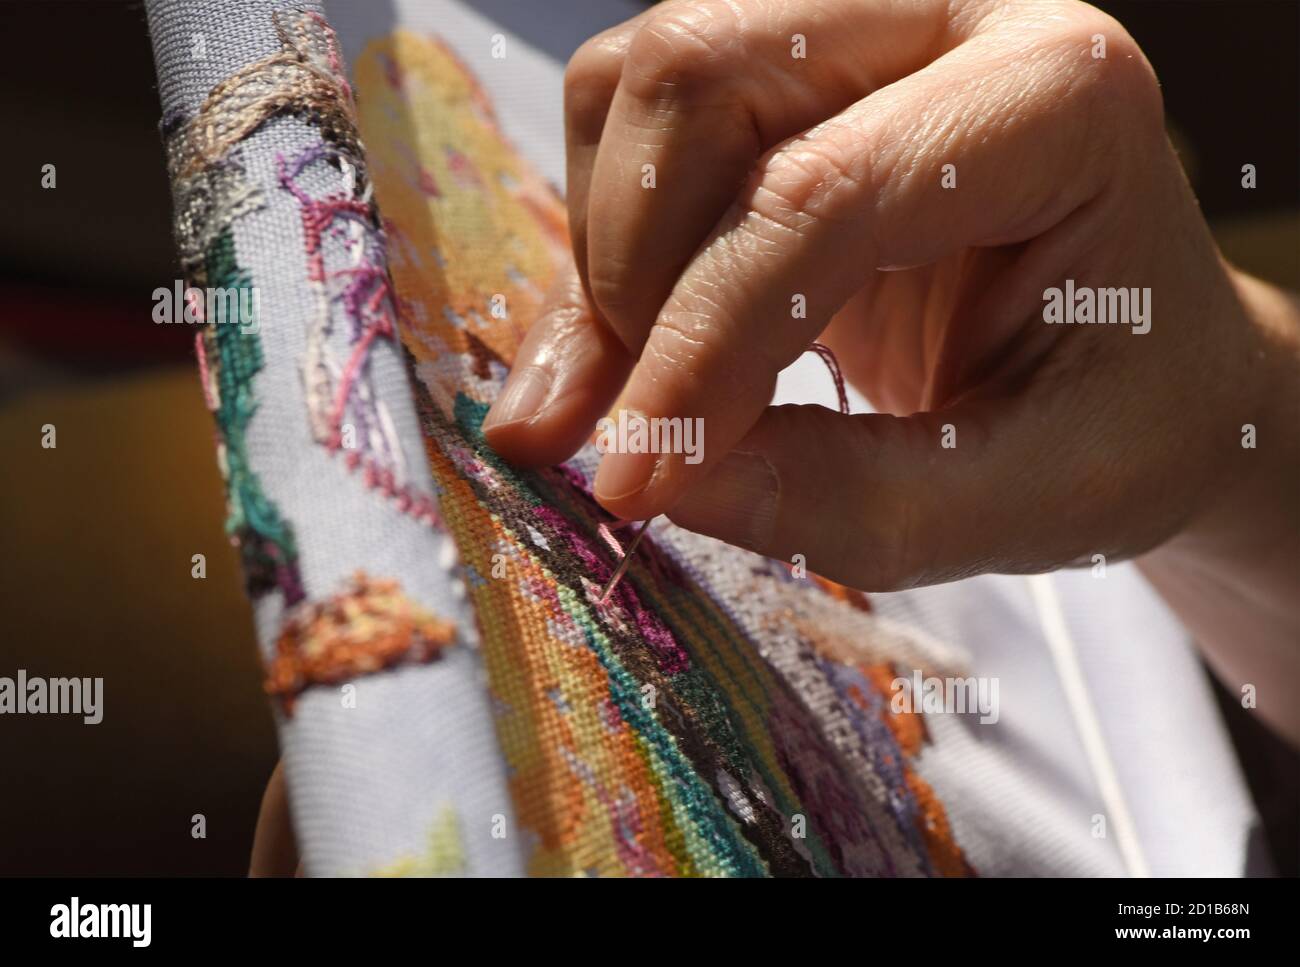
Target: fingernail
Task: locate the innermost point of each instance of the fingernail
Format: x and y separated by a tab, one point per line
525	392
736	502
624	474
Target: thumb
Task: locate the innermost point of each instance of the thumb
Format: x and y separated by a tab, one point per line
881	502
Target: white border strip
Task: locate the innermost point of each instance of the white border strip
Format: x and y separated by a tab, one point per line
1066	658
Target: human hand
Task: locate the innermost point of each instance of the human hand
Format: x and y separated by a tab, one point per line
920	179
275	848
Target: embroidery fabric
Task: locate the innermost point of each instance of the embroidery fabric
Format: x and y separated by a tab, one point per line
716	715
666	731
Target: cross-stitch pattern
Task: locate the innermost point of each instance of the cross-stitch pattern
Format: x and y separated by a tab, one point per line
210	193
717	715
370	625
344	412
443	856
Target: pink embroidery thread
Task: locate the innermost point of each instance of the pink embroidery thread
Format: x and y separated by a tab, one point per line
833	364
334	392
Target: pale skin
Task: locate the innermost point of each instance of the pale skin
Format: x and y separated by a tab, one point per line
823	176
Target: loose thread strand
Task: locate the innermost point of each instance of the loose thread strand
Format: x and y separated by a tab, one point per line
623	564
833	364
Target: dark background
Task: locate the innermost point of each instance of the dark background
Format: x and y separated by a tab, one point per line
97	535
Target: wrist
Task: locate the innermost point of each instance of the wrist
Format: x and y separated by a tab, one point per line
1231	573
1250	497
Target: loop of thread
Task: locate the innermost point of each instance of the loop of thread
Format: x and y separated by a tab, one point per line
833	364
